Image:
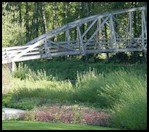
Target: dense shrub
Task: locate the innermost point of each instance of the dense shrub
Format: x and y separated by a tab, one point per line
131	111
106	90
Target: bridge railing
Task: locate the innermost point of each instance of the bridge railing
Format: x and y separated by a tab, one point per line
8	54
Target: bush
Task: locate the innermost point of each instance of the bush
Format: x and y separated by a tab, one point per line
105	90
96	118
87	86
6	99
131	111
24	103
29	116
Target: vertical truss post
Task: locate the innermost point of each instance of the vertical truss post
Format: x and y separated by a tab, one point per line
145	25
13	66
144	32
80	40
113	36
142	29
67	39
11	63
98	38
47	50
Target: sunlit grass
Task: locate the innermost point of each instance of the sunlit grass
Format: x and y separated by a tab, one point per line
30	125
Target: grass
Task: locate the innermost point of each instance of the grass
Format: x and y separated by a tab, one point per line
31	125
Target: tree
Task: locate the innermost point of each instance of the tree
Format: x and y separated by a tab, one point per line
44	25
12	32
27	22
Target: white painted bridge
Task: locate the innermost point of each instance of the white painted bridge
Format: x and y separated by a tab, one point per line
86	36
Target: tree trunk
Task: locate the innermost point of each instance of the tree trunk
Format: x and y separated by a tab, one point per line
36	18
87	9
43	18
20	14
54	18
27	23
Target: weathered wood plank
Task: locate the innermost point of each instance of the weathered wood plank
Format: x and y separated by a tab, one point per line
113	34
27	50
82	46
14	48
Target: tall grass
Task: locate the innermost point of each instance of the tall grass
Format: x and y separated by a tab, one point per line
30	89
24	72
131	110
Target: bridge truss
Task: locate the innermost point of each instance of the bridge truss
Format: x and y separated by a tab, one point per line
86	36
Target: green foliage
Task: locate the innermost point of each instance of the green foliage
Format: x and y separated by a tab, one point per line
12	33
131	110
87	86
23	103
6	99
106	91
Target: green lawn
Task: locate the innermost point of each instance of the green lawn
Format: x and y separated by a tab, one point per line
31	125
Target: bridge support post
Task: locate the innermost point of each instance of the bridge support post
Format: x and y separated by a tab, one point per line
13	66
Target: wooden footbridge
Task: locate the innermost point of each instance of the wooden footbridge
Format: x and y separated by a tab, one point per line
86	36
